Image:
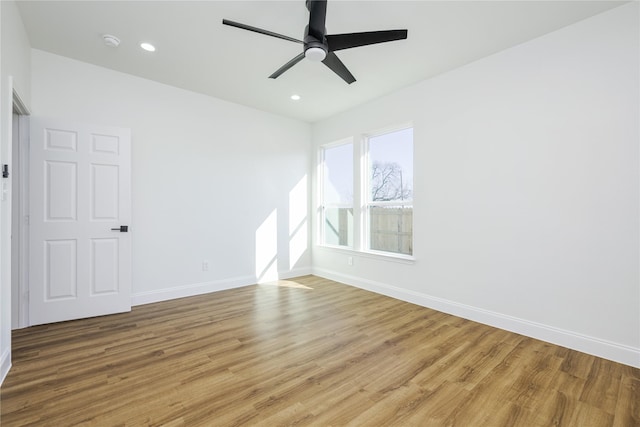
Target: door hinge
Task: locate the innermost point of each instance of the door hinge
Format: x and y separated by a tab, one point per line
26	220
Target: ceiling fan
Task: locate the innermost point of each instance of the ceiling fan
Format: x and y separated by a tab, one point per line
319	46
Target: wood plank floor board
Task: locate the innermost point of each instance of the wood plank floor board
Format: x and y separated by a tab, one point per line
628	404
560	402
487	398
433	407
304	352
602	387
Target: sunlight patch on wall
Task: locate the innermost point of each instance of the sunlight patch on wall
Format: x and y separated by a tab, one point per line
298	233
267	249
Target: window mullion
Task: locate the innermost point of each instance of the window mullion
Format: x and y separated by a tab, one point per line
359	175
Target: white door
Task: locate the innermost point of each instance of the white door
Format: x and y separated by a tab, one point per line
80	196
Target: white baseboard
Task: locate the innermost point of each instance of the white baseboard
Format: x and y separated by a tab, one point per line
193	289
190	290
296	272
575	341
5	364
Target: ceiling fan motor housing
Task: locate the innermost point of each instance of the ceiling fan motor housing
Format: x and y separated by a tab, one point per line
314	49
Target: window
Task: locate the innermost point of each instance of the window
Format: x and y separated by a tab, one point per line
337	195
389	201
369	208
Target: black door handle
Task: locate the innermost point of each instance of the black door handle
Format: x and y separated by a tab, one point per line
122	228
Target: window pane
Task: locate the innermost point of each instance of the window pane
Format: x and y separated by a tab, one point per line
338	175
391	229
337	195
338	226
391	166
390	192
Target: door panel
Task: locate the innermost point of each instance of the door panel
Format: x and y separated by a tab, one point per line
61	191
79	192
105	144
60	279
104	192
104	266
56	139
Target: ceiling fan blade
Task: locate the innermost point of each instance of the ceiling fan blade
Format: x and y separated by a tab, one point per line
334	63
286	66
259	30
317	16
347	41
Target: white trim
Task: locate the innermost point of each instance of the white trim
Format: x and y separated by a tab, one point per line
148	297
343	141
20	108
388	129
389	256
19	105
24	220
5	364
595	346
296	272
377	255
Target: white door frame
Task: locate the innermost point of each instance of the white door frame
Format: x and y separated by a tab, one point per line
23	218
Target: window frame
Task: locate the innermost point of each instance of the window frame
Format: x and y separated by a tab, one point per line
361	192
367	203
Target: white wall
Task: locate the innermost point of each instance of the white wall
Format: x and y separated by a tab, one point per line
206	175
526	189
16	50
14	74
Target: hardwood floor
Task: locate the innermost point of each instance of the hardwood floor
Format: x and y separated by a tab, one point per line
304	352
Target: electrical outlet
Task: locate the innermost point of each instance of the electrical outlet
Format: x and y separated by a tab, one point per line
350	260
205	265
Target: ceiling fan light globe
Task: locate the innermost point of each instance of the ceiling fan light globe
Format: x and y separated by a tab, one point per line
315	54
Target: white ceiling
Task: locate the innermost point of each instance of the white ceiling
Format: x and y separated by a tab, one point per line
196	52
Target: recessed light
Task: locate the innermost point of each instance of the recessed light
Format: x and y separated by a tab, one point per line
148	47
295	97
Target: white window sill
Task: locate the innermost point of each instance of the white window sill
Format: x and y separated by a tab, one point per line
377	255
